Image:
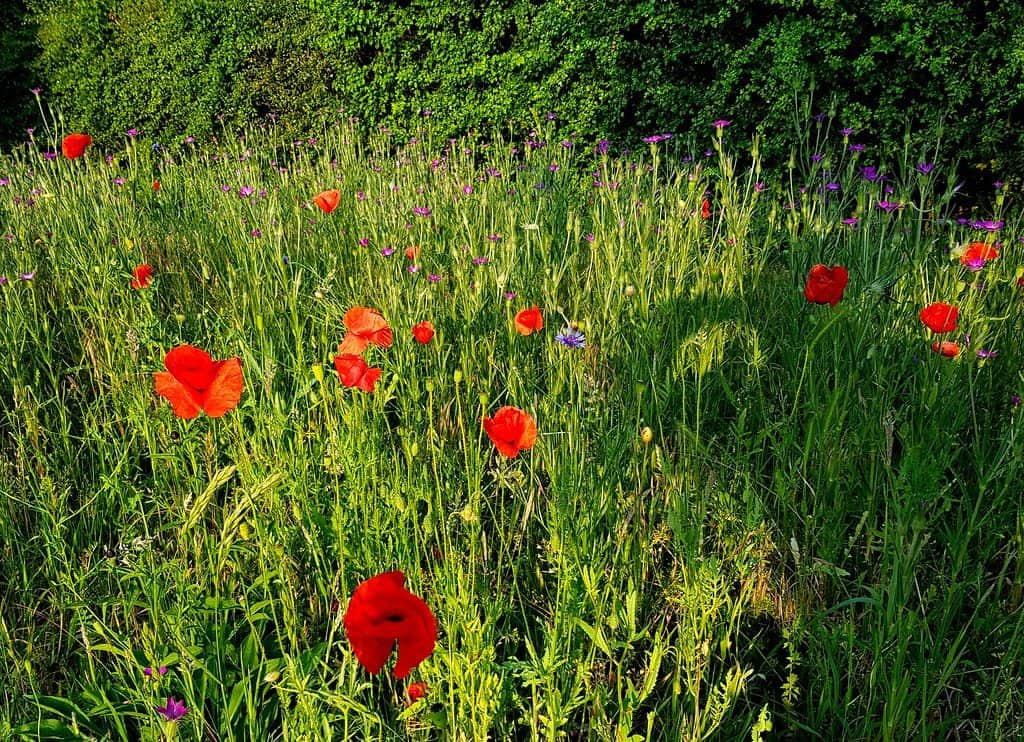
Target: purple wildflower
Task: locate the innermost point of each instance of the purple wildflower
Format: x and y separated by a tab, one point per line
246	191
869	172
571	338
602	147
161	671
118	181
433	277
924	167
510	295
987	225
856	147
1015	398
494	237
3	280
386	251
26	276
132	133
481	260
50	155
846	132
467	189
817	157
174	709
888	207
364	242
986	353
721	123
414	269
851	222
421	211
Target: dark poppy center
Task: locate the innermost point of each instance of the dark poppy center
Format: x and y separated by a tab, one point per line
394	618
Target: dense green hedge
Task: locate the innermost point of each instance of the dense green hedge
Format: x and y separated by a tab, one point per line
618	70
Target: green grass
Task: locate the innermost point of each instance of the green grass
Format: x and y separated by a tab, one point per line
818	538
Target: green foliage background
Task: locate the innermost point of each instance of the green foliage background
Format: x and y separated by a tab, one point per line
610	69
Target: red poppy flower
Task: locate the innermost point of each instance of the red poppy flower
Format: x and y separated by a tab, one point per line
416	691
327	200
156	186
511	430
423	332
412	252
978	253
195	383
529	320
365	326
705	209
939	317
826	285
946	348
74	145
382	612
142	276
353	372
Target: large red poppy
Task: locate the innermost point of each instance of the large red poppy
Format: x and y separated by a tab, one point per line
511	430
327	200
194	382
423	332
142	276
74	145
529	320
365	326
381	613
355	373
826	285
939	317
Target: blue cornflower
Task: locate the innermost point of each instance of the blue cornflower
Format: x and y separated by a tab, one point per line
571	338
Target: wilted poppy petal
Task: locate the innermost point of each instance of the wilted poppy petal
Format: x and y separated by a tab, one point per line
369	325
352	344
226	389
184	402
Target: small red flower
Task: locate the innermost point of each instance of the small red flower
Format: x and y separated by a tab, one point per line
381	613
978	252
705	209
365	326
156	186
142	276
355	373
511	430
826	285
939	317
423	332
529	320
416	691
74	145
327	200
946	348
412	252
194	382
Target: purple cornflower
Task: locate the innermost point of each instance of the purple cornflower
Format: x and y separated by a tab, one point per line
888	207
539	186
174	709
160	671
360	196
832	186
975	264
36	91
554	167
602	147
467	189
924	167
433	277
364	242
817	157
510	295
246	191
225	188
421	211
721	123
386	251
5	181
50	155
869	172
26	276
481	260
846	132
255	233
997	185
986	353
494	237
987	225
589	238
856	147
189	140
566	143
1015	398
118	181
414	269
132	133
3	280
655	138
571	338
758	187
851	222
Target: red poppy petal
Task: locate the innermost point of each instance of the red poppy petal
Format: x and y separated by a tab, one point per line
369	379
371	652
184	402
74	145
191	366
327	200
226	389
352	344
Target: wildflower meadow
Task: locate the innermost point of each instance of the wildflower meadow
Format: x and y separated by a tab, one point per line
363	436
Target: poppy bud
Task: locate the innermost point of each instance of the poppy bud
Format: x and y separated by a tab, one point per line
458	375
272	677
630	290
646	435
